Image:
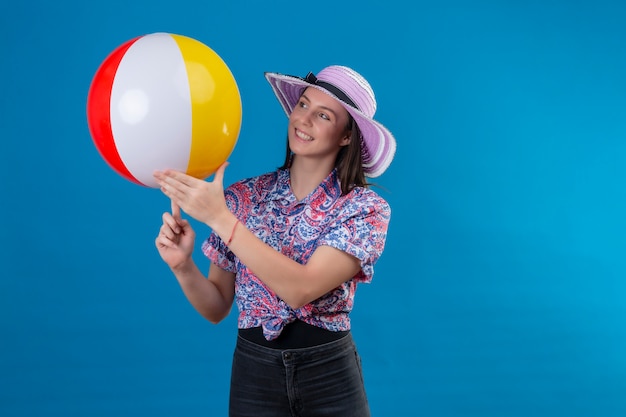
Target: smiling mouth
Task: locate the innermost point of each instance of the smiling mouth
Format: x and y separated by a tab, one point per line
303	136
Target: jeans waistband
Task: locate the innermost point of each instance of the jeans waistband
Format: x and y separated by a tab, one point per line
296	335
281	357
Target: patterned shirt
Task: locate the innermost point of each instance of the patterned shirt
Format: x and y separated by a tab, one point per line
355	223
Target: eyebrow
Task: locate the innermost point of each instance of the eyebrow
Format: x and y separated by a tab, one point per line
322	107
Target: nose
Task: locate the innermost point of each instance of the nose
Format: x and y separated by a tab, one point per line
307	117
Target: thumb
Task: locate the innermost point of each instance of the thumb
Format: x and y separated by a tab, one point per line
219	174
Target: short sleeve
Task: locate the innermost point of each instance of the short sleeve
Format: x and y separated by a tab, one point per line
360	230
218	253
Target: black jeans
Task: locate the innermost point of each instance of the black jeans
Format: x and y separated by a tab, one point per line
324	380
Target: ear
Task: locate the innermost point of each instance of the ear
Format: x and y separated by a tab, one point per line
345	141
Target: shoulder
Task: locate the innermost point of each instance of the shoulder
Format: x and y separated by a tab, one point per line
365	200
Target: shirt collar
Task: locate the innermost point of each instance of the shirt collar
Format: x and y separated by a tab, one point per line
282	188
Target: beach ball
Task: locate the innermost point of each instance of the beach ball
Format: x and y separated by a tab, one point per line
163	101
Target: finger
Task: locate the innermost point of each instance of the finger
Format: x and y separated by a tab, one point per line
167	232
181	177
219	174
176	211
172	182
163	242
170	222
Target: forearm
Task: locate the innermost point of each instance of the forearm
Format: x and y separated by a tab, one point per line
202	293
289	279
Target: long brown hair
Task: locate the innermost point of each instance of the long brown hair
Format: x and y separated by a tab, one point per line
349	162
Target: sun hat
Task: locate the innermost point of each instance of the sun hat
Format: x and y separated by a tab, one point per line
356	95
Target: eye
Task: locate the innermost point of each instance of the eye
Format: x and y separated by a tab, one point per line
324	116
302	104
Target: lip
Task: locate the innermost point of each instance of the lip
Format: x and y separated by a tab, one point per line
298	134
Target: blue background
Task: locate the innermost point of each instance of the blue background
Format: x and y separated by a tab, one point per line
501	291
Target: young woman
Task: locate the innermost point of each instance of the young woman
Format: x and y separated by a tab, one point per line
290	247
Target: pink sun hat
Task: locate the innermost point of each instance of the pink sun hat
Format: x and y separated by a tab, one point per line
356	96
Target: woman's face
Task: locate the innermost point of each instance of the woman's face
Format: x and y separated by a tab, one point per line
318	126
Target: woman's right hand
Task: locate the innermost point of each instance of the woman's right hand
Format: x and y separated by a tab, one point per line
176	239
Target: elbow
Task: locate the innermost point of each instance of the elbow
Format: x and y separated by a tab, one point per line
215	317
299	299
296	305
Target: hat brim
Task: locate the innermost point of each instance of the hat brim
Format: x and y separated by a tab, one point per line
379	145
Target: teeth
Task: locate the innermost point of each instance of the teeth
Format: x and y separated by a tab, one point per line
303	136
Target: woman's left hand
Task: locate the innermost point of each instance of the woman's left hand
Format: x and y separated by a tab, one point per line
202	200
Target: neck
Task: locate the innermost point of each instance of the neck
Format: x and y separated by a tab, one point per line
306	177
